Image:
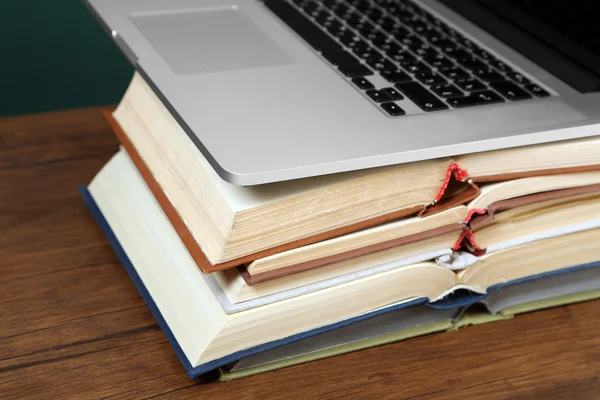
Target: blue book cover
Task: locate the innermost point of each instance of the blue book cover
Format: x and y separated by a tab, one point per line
457	300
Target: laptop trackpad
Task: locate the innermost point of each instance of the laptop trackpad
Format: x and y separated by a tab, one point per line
209	40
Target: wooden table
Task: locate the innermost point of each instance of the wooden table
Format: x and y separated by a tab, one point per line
73	325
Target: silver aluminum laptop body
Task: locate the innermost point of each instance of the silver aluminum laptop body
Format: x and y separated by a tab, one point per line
263	106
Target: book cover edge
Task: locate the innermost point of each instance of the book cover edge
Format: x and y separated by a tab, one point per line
197	371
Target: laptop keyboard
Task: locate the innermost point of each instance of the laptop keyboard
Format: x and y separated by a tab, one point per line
393	49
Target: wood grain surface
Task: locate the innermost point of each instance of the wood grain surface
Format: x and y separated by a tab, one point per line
74	327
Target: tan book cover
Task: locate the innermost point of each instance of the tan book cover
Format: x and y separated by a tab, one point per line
439	204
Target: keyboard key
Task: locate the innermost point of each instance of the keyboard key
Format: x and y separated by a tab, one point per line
339	57
403	15
353	19
500	66
463	41
374	58
536	90
399	32
378	96
419	26
434	21
411	41
519	78
362	5
418	46
365	28
386	46
310	7
393	109
320	15
433	36
471	63
355	70
365	51
430	78
393	48
376	36
392	93
454	72
510	90
422	97
323	18
414	67
479	98
459	54
331	4
305	28
379	62
452	50
402	56
427	52
362	83
445	44
449	31
470	84
349	38
335	27
373	13
396	76
361	47
438	61
386	23
481	53
447	91
340	9
487	74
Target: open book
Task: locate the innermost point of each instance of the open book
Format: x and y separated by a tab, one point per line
225	226
193	310
412	238
415	319
518	225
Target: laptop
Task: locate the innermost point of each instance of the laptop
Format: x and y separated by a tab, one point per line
275	90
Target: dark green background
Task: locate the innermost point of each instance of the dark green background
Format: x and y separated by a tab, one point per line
54	55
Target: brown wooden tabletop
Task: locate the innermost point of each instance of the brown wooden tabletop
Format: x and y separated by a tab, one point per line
73	325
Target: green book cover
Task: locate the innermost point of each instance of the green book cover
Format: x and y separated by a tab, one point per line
475	317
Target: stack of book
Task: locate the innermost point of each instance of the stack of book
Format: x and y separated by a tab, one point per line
251	279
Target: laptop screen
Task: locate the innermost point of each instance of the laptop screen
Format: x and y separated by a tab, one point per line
566	29
574	20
